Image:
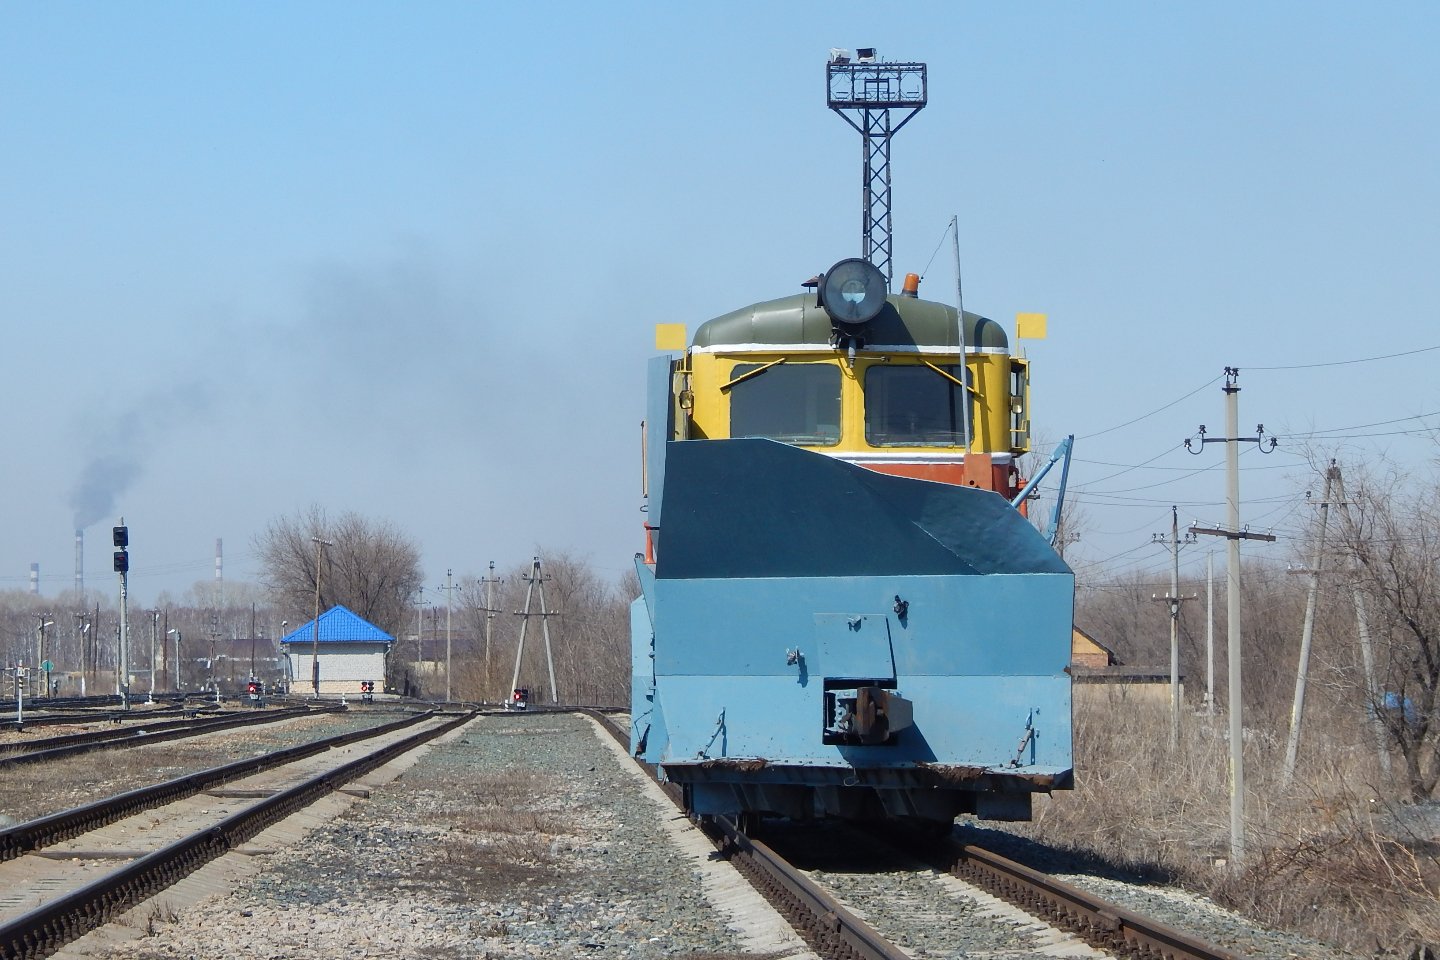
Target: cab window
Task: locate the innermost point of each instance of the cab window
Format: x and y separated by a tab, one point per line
791	402
913	405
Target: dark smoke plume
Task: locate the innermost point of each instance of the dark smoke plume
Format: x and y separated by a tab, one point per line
119	446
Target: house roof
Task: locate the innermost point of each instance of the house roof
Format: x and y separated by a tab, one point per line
1076	632
339	625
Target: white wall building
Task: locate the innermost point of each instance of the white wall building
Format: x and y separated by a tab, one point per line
349	650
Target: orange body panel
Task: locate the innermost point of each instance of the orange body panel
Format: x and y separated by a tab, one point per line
939	472
1001	478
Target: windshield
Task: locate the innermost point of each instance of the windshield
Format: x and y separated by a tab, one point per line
791	402
913	405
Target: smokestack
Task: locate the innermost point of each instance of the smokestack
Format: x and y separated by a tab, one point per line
34	579
80	565
219	572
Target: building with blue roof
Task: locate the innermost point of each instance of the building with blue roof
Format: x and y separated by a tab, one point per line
348	650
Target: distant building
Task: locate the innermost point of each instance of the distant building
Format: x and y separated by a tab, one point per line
1099	674
350	650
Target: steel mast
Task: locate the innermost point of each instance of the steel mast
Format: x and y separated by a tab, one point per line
863	92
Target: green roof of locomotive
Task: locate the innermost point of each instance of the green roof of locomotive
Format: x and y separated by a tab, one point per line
798	319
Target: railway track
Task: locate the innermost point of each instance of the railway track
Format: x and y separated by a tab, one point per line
835	931
53	748
55	863
62	716
54	828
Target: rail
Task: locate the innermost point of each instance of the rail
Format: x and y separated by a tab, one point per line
46	929
55	748
1099	922
44	831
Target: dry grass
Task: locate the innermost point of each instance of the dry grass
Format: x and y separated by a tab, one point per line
1324	856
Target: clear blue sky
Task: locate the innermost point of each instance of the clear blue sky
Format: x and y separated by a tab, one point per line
407	259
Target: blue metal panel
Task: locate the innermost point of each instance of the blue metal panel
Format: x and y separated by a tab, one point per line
757	508
642	680
854	645
994	625
963	721
781	568
659	428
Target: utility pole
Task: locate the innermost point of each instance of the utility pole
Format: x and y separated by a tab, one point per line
320	546
420	631
178	638
490	612
1362	626
41	659
1297	707
252	639
449	598
544	615
1174	599
83	619
154	633
1233	534
1210	633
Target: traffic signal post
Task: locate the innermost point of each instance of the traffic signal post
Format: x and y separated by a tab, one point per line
121	536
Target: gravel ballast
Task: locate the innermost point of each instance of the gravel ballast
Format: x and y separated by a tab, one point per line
516	837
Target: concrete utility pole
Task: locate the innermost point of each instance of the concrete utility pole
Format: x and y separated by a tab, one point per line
83	619
544	616
1297	707
320	546
1362	626
176	632
1210	633
41	654
449	598
1174	599
1233	535
154	635
490	612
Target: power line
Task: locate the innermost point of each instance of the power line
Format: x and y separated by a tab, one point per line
1152	413
1342	363
1146	464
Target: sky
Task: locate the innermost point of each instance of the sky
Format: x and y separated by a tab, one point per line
407	259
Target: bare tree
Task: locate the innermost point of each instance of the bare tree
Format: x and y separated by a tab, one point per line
589	633
1393	533
369	566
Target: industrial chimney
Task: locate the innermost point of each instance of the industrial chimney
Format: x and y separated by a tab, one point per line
80	565
34	579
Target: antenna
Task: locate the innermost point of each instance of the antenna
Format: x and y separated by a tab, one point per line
870	89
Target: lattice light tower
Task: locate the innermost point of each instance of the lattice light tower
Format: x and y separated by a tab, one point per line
864	91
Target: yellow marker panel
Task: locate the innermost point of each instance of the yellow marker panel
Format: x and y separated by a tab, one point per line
669	336
1030	326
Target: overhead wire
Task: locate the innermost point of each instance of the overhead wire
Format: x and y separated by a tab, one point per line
1342	363
1120	426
